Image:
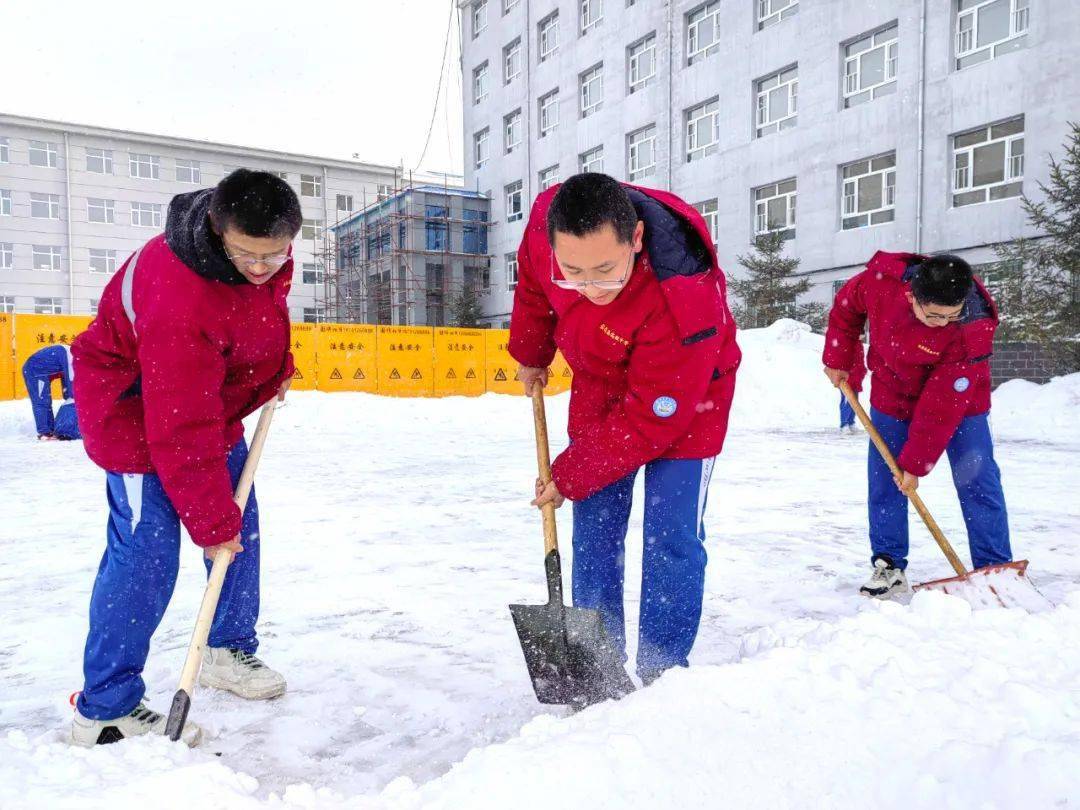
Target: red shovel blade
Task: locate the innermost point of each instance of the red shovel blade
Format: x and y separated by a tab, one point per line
1001	585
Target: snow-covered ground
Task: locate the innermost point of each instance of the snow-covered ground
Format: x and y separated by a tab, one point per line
397	531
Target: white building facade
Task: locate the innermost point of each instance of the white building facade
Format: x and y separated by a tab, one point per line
848	126
76	201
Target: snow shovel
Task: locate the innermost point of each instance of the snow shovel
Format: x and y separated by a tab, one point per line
1002	584
570	657
181	704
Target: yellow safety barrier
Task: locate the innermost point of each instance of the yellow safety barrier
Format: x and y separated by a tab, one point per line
33	332
7	359
303	350
345	357
561	376
405	361
500	367
459	362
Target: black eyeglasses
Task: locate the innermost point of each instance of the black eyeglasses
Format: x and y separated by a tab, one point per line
602	284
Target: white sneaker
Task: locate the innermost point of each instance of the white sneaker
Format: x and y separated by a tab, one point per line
886	581
88	733
240	673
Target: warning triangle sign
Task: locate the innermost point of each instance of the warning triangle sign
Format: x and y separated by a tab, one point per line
470	375
394	375
359	375
450	375
297	375
416	375
500	376
566	372
335	375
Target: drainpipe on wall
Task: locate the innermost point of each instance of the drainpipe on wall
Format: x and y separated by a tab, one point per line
67	197
922	137
670	86
526	191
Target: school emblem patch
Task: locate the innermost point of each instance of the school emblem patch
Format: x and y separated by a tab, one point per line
664	407
961	384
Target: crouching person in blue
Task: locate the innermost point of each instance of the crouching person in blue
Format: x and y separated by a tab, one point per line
39	370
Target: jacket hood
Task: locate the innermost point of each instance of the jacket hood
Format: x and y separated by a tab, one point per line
189	235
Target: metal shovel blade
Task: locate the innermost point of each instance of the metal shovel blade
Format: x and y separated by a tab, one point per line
569	655
1002	585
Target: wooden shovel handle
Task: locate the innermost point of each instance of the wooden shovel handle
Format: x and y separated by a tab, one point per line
543	467
920	507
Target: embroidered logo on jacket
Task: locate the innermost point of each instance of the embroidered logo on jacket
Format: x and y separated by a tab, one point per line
961	384
607	331
664	407
928	350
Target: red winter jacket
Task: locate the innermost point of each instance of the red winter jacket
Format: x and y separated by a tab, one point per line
930	376
166	393
654	370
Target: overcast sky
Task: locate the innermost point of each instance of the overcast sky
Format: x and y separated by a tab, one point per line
316	77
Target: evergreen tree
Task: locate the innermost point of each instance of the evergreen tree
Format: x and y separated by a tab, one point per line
1036	281
465	309
769	290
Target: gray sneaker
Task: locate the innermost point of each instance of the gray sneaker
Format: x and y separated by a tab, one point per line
886	582
88	733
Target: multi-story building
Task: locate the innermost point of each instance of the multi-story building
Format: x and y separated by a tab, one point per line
896	125
408	260
76	201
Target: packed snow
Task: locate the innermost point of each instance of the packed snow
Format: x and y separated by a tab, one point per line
395	534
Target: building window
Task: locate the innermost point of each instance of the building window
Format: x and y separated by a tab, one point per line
474	237
641	153
47	306
869	192
283	175
549	35
512	61
344	202
511	271
43	154
702	32
548	177
777	101
146	215
870	66
102	211
549	112
986	29
99	161
774	209
514	208
702	130
145	167
312	229
480	82
592	12
641	63
508	5
479	17
592	160
7	303
480	146
45	206
512	131
315	314
988	163
46	257
383	191
5	149
7	256
436	228
592	90
94	304
5	202
313	273
188	171
310	185
102	261
770	12
710	210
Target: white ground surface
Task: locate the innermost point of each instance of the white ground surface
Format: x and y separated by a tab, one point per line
396	532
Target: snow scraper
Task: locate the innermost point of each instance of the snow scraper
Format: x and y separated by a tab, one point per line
1004	584
569	654
181	704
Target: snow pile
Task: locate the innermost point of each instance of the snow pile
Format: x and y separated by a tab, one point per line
926	706
1024	410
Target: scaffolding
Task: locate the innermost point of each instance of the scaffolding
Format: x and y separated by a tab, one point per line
374	270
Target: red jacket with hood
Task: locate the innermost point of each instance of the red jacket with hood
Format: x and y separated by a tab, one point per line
183	348
930	376
654	370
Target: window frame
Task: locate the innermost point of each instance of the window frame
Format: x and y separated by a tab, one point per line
587	158
547	102
706	10
1013	165
481	137
480	82
6	203
105	206
315	226
647	44
765	125
633	148
50	201
313	183
761	207
542	177
512	52
138	160
711	217
5	149
55	254
511	125
891	48
51	151
1019	22
547	26
193	168
698	151
54	305
773	16
316	269
105	254
139	209
850	188
349	201
585	17
586	79
479	17
511	261
510	190
7	255
105	156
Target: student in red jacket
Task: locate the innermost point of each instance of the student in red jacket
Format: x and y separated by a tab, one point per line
191	336
624	281
932	328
